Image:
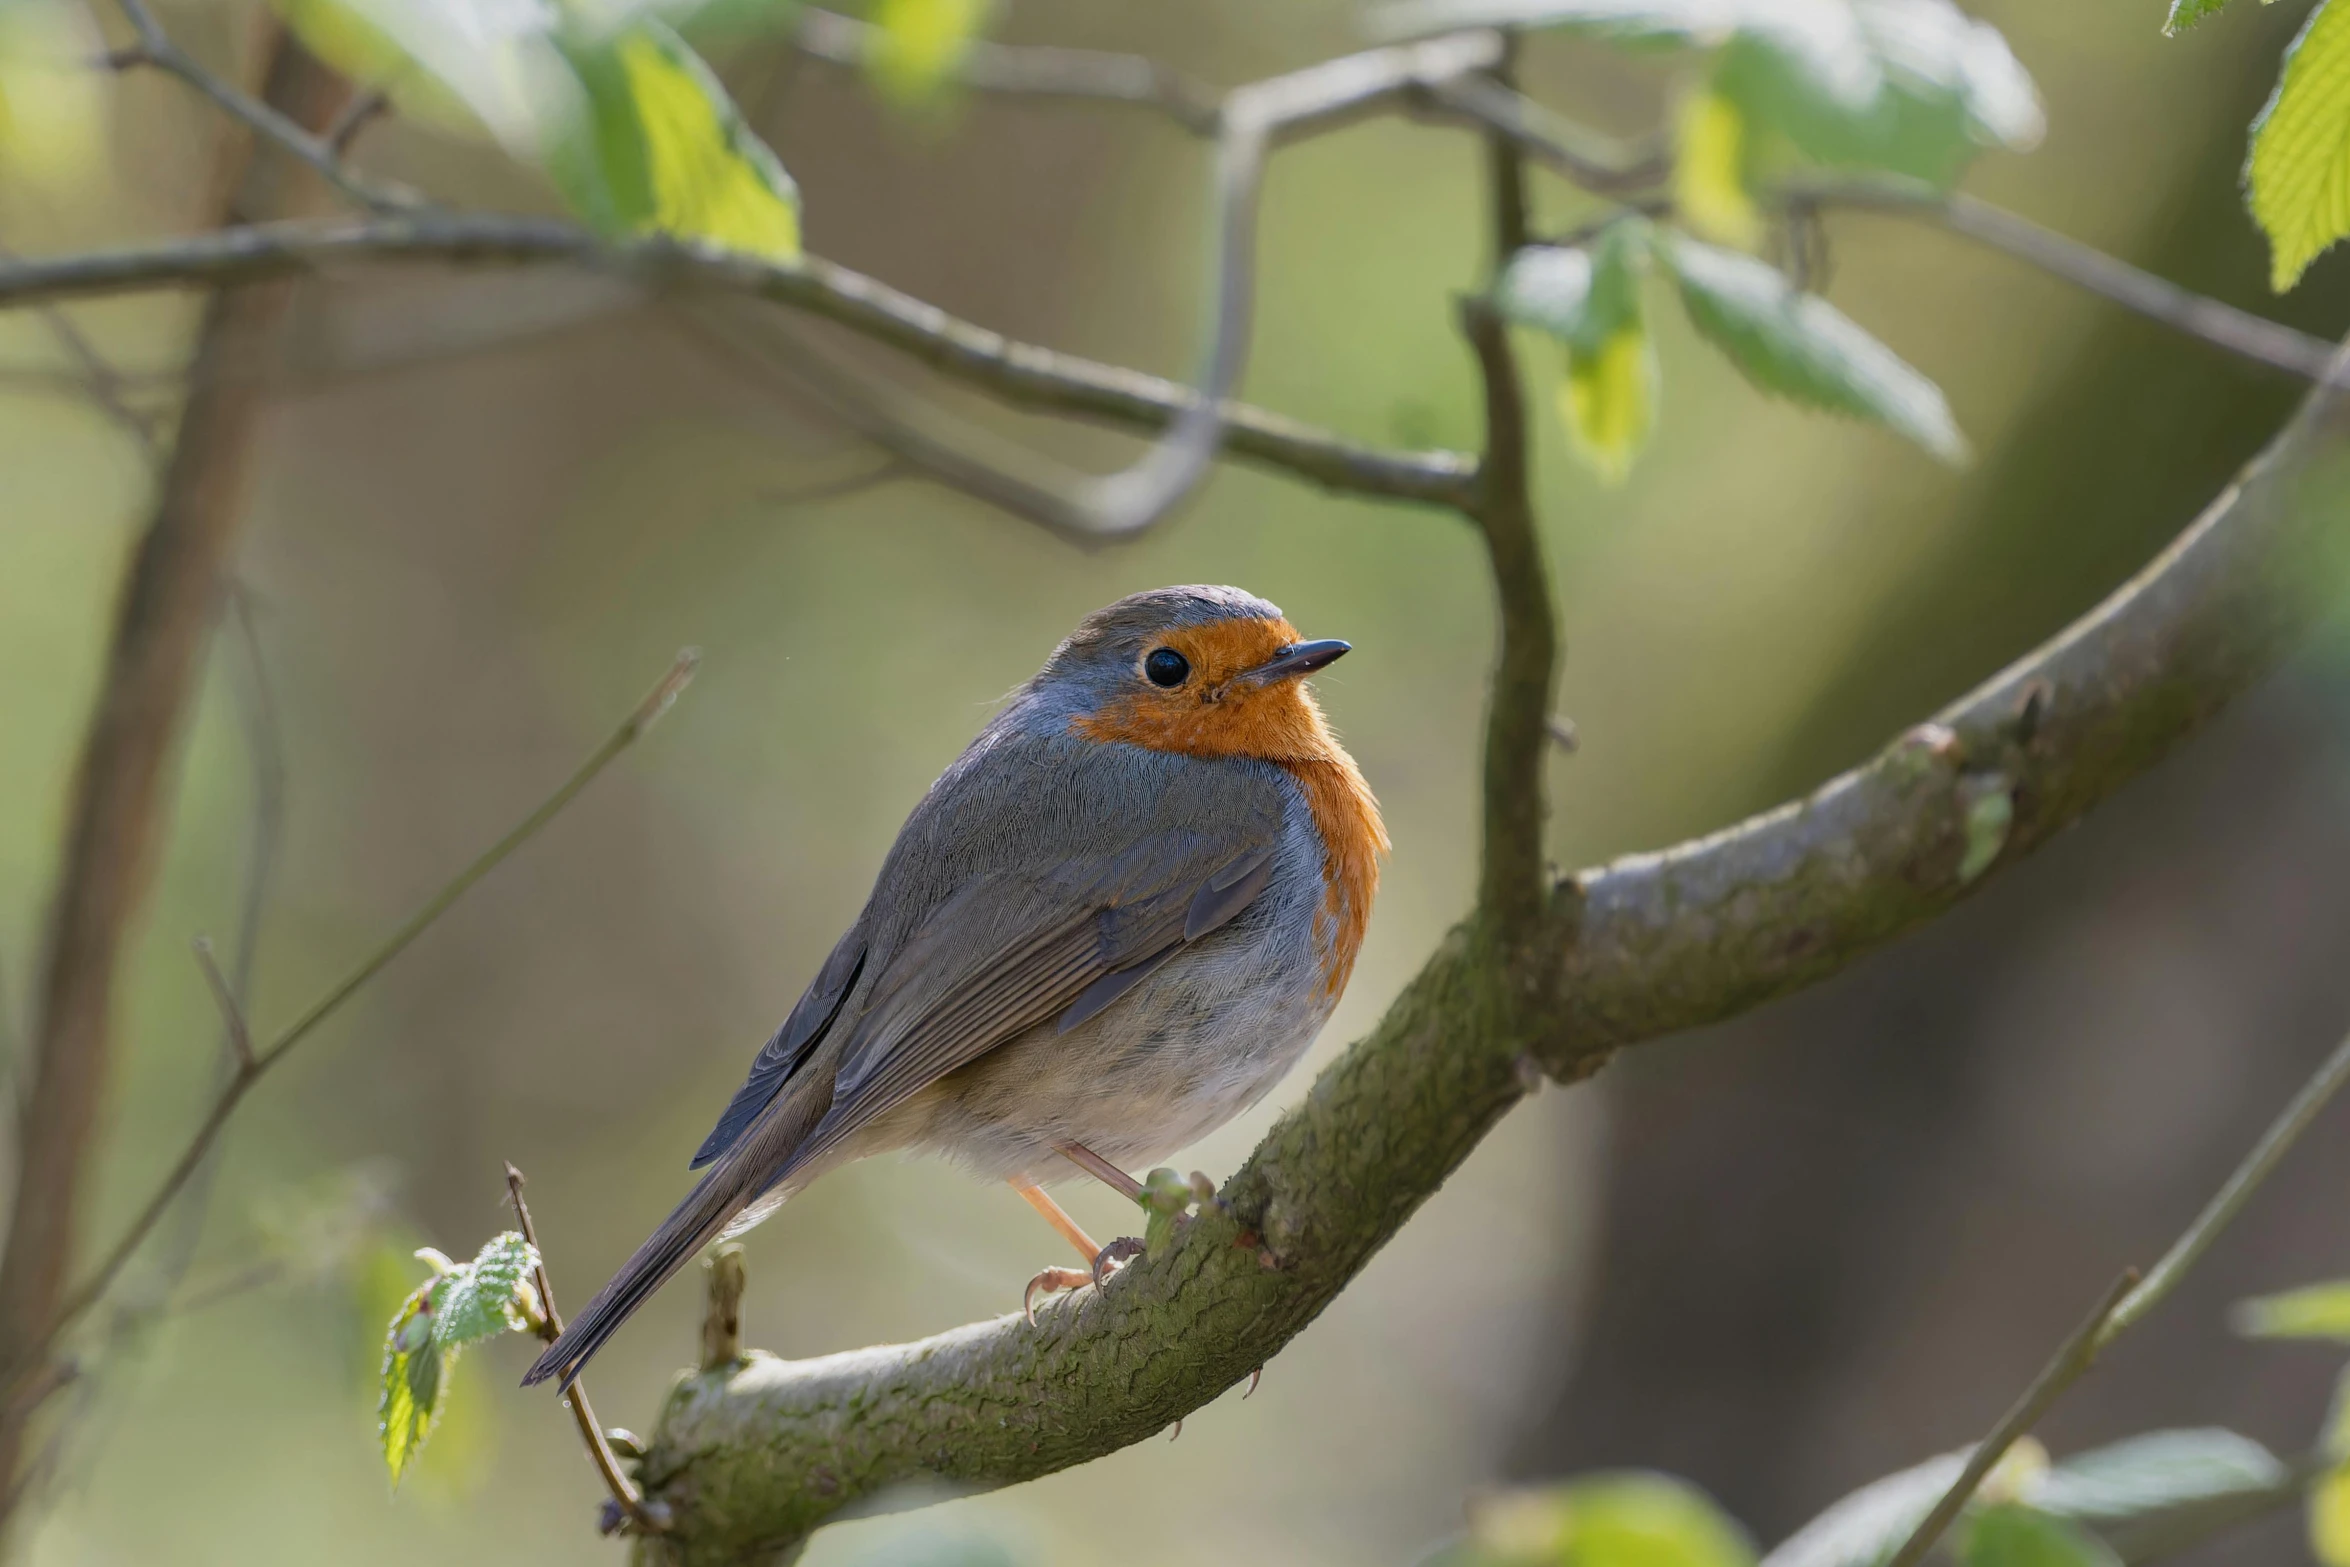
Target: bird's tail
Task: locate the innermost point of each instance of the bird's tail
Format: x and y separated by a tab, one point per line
695	1223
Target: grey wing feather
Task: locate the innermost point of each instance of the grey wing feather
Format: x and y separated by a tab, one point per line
782	1054
1067	939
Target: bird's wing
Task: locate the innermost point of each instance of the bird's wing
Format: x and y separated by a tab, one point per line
1011	951
789	1046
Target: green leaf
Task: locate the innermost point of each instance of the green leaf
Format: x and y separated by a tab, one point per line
1583	295
1867	1527
1609	401
1915	86
2155	1473
1948	87
1990	812
2315	1311
660	148
2329	1498
411	1381
921	43
1607	1520
486	1296
2297	182
2009	1535
459	1305
1799	346
2186	13
1709	172
1588	297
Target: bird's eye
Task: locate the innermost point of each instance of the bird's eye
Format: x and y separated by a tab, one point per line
1166	667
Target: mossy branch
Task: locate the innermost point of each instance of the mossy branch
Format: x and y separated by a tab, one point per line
752	1457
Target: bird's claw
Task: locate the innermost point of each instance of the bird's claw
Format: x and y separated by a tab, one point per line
1123	1249
1051	1282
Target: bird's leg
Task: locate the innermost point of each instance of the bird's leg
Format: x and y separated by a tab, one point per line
1093	1164
1057	1218
1101	1170
1053	1280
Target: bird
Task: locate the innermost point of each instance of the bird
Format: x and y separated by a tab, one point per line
1112	925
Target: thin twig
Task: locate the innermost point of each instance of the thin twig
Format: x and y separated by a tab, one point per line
1595	162
2128	1302
95	377
364	109
2199	316
232	1016
630	730
1021	374
156	49
2225	1204
625	1495
2064	1368
1027	71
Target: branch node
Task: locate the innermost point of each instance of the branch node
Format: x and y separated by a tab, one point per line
232	1016
722	1322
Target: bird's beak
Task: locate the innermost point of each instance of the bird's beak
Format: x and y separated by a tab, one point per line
1299	658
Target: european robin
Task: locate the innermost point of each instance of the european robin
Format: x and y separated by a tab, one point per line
1111	926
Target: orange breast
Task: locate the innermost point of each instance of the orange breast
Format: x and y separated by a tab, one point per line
1353	838
1282	724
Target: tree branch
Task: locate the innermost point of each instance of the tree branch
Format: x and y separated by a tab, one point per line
259	116
753	1458
1084	75
255	1063
1517	727
2213	321
1019	373
169	595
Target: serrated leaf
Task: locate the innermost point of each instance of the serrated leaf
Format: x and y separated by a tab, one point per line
1709	172
921	43
2011	1535
411	1364
2186	13
2315	1311
484	1298
52	94
2297	181
1609	401
1582	295
1799	346
660	148
2158	1472
1868	1526
1607	1520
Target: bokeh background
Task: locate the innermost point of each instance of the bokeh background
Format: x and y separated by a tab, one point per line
1781	1257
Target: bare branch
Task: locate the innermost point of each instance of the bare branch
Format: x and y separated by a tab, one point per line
1018	373
96	378
155	48
364	109
1595	162
1517	728
121	788
1083	75
232	1016
92	1288
757	1456
627	1501
2222	325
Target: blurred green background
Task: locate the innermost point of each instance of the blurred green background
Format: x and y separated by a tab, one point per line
1782	1259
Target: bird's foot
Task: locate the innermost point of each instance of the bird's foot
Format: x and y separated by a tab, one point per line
1120	1251
1052	1281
